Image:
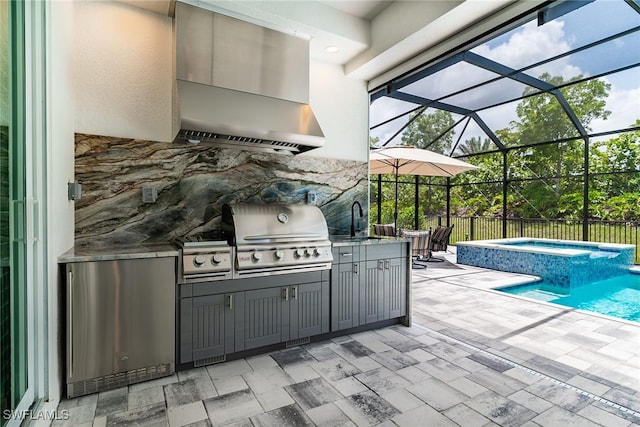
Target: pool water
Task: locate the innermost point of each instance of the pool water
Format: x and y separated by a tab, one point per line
564	263
618	296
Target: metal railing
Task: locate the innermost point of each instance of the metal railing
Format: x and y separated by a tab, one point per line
483	228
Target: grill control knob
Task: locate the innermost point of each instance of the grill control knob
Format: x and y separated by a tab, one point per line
278	254
299	253
256	256
307	253
216	259
198	261
316	252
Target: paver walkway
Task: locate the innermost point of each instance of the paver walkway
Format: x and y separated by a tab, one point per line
473	357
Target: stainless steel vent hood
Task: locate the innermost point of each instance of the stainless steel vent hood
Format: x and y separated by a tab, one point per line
242	85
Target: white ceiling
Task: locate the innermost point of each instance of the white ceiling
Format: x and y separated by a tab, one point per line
374	36
365	9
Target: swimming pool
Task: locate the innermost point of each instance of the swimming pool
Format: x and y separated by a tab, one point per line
560	262
617	296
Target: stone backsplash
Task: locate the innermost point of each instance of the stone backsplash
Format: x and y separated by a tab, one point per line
193	182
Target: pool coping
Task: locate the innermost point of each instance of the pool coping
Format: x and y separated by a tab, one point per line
506	244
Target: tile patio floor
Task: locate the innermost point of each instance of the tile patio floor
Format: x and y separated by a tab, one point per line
473	357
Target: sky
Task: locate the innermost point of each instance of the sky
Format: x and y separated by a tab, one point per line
529	44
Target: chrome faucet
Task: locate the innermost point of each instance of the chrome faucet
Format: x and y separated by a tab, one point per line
353	229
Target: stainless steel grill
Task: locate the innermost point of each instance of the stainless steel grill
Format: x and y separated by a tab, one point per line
276	239
202	260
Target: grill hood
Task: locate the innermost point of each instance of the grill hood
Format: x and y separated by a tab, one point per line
242	85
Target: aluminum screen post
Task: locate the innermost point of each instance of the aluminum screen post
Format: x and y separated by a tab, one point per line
379	199
448	200
504	194
416	204
585	196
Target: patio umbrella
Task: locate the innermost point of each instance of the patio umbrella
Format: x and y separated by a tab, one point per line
408	160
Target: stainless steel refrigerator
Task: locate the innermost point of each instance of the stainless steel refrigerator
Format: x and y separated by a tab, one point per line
120	323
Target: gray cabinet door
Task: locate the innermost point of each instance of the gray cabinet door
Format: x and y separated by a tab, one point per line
185	336
345	294
264	318
309	309
372	292
396	272
383	290
211	318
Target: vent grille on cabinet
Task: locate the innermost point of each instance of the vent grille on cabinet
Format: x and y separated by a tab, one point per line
210	360
299	341
109	382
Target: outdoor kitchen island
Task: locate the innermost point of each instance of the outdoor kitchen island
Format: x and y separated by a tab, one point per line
222	318
368	286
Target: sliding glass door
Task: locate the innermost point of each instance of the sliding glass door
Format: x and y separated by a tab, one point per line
16	392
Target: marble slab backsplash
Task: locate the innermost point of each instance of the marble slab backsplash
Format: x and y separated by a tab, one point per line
192	184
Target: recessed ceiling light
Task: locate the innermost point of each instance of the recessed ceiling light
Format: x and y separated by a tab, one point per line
332	49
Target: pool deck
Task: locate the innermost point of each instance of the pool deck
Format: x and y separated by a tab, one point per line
472	357
598	355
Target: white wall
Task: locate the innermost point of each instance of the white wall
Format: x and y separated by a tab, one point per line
342	109
124	71
60	169
124	82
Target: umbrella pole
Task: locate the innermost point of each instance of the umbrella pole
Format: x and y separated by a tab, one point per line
395	212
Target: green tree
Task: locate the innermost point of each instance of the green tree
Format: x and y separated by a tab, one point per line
541	118
616	163
479	192
426	130
475	145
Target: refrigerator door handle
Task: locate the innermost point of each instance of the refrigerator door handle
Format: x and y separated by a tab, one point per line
70	327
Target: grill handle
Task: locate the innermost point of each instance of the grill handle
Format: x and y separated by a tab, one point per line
288	237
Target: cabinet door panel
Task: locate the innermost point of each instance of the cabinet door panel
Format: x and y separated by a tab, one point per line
372	292
309	309
265	311
186	331
397	288
208	326
345	287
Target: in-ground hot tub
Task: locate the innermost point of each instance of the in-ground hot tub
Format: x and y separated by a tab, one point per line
564	263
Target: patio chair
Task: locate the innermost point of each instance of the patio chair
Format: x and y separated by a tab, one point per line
419	246
438	242
384	229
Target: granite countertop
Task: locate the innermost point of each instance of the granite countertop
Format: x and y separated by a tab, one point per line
344	240
108	253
